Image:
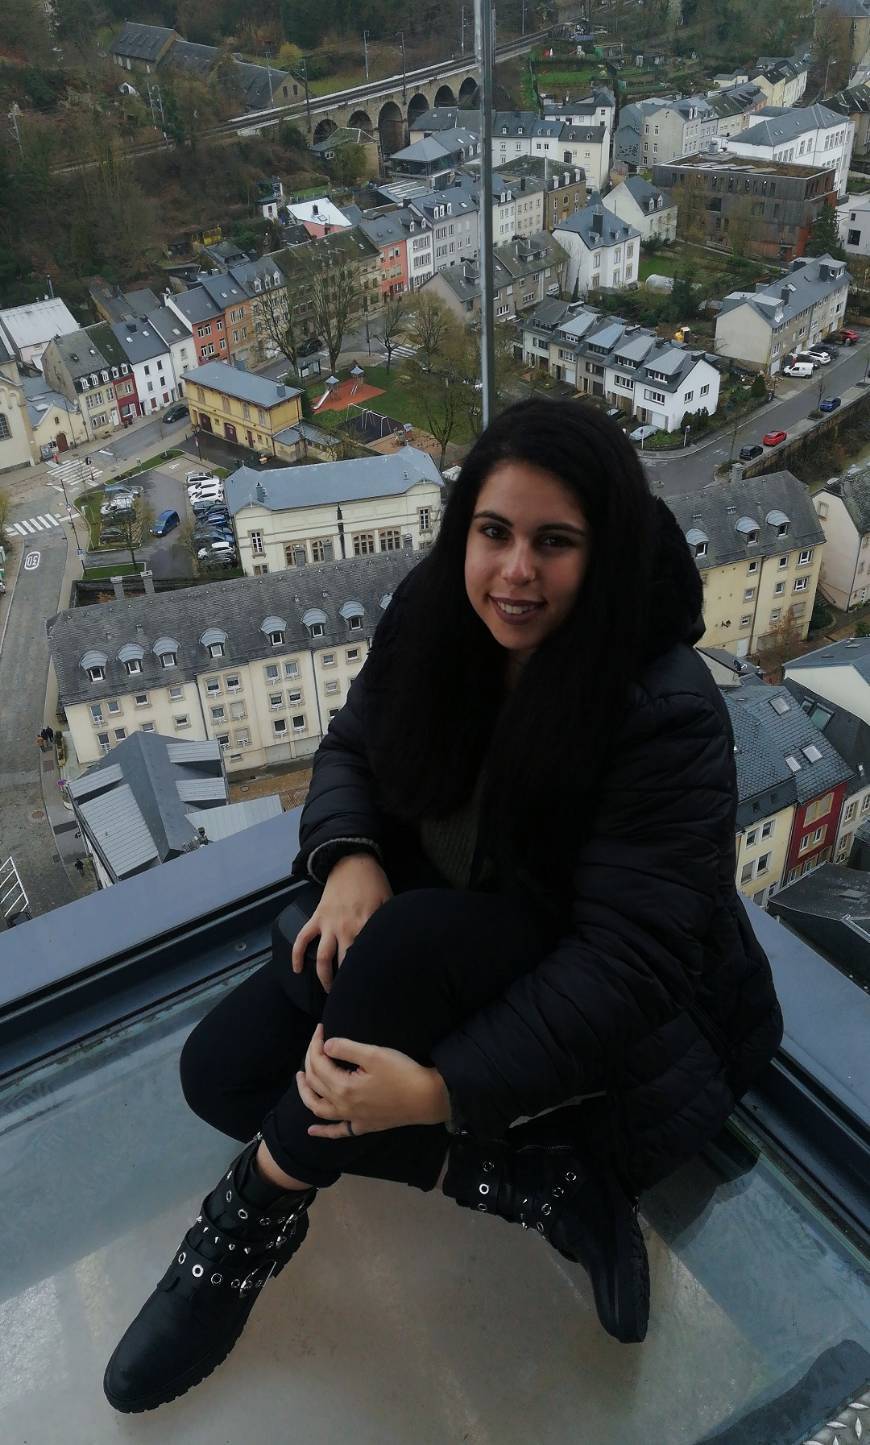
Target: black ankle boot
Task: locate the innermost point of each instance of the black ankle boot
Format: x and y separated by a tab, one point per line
580	1208
200	1307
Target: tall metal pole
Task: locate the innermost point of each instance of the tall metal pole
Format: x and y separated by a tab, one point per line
366	51
484	46
462	30
404	81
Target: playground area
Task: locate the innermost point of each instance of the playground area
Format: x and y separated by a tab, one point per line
339	395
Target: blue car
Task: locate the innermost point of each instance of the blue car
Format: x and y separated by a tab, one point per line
165	523
830	403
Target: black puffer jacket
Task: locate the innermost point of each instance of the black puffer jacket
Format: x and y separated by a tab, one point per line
657	990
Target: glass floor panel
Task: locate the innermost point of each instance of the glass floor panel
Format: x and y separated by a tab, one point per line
403	1318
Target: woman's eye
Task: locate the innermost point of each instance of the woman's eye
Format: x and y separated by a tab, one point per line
492	531
556	541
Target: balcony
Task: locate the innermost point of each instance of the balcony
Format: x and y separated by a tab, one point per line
403	1318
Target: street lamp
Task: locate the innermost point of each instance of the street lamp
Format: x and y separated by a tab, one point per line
686	435
366	34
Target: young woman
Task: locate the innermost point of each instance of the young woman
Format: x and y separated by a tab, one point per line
520	841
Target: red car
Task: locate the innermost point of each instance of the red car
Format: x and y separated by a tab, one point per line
773	438
848	337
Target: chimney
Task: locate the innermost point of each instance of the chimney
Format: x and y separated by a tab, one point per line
148	583
118	584
598	222
281	390
785	293
314	210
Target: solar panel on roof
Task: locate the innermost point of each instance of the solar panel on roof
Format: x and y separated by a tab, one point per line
779	705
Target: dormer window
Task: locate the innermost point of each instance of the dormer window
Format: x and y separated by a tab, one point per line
275	629
133	666
214	639
353	614
131	655
168	659
96	674
166	649
94	664
314	621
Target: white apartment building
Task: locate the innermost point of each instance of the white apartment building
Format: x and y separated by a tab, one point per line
843	509
521	133
762	327
294	517
651	210
675	128
255	665
809	135
603	251
655	380
420	251
853	222
451	215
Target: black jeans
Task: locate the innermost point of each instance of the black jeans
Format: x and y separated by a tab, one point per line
425	960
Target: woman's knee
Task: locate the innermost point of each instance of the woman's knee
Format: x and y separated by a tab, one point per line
200	1071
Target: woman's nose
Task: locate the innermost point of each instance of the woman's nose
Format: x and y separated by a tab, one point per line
519	565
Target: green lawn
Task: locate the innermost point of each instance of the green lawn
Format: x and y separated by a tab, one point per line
147	466
121	569
400	400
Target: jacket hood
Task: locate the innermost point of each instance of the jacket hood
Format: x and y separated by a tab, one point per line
677	597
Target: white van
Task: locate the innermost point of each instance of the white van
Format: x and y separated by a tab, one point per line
798	368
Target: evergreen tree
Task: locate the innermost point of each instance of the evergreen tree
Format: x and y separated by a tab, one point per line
824	238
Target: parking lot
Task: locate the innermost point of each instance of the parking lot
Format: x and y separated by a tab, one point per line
163	489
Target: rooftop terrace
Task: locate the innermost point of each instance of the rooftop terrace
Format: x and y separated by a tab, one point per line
403	1318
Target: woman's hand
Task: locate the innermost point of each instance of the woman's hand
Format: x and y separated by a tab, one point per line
386	1090
355	889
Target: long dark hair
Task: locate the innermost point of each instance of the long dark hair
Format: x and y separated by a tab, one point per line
438	691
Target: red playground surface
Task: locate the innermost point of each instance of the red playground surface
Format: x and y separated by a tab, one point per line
354	389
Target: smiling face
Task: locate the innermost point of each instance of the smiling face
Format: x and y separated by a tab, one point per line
525	556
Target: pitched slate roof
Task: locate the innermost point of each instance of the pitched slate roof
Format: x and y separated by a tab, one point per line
613	230
253	80
849	734
778	124
787	731
806	282
141	42
132	801
237	607
854	100
80	353
851	652
853	487
196	305
36	322
138	340
330	482
717	512
195	59
243	385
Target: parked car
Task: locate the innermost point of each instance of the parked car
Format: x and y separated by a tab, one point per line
310	346
830	403
641	433
176	412
807	356
798	368
823	355
774	438
119	503
201	506
218	514
198	475
821	348
753	450
848	336
218	549
211	492
166	522
115	489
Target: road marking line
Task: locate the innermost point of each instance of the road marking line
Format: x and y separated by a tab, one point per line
48	519
27	527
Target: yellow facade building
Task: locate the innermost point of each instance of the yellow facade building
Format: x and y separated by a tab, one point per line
242	408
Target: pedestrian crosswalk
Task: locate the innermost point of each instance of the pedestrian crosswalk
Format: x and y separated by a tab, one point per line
43	523
72	471
407	351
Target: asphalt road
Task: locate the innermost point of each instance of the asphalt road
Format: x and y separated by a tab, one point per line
25	832
679	472
163	488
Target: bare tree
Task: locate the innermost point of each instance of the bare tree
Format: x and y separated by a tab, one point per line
443	405
394	320
334	293
691	208
779	647
133	524
185	538
428	325
274	312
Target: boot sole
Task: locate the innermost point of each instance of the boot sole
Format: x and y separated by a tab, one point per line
622	1297
194	1376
